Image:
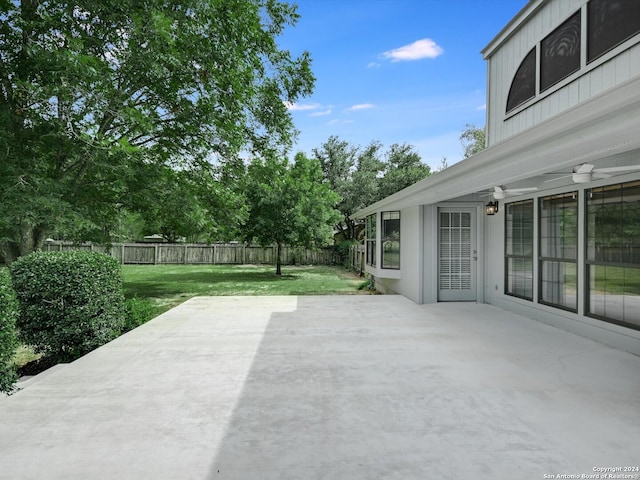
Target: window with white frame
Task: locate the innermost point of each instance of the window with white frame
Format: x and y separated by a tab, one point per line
390	240
560	52
613	253
523	86
370	240
519	249
558	251
610	23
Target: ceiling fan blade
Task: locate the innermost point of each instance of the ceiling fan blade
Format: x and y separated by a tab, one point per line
558	178
521	190
628	168
584	168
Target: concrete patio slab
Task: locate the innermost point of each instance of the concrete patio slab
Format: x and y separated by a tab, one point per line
340	387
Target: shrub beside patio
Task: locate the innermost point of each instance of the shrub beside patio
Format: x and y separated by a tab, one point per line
70	302
8	335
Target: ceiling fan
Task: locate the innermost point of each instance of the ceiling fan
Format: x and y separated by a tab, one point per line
499	193
586	172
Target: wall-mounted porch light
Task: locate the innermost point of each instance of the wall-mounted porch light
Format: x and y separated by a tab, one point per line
492	208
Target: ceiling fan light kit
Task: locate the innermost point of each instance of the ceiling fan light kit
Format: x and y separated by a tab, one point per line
581	177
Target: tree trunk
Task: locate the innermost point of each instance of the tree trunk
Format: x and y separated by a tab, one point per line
8	251
31	239
349	229
278	259
351	225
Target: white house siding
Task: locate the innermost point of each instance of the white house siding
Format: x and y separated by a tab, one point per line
612	69
494	256
430	254
410	258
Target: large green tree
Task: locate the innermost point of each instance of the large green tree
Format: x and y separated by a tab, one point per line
195	205
404	167
362	176
337	158
289	204
473	140
92	90
354	174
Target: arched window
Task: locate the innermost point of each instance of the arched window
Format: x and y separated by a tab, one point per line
523	86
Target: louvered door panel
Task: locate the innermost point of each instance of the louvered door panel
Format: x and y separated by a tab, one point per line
456	249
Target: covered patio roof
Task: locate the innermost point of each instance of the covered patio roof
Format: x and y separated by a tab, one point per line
596	131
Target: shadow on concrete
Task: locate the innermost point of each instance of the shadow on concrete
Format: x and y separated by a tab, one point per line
377	387
328	387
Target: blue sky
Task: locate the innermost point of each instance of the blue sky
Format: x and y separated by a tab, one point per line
395	71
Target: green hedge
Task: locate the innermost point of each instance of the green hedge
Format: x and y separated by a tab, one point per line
8	337
70	302
139	311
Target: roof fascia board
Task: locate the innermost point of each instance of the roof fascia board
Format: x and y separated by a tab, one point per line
512	27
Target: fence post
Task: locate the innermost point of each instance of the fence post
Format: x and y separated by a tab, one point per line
184	259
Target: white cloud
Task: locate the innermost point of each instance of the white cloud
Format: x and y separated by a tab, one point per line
321	113
360	106
425	48
301	106
482	107
373	65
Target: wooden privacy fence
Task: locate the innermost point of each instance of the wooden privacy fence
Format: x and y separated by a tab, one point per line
194	254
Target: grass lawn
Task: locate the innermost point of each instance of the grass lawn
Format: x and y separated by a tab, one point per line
169	285
165	286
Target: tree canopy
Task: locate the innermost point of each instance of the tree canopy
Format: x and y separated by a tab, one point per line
289	204
93	90
362	176
403	167
473	140
192	205
123	116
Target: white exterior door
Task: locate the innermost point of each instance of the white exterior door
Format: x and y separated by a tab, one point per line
457	255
